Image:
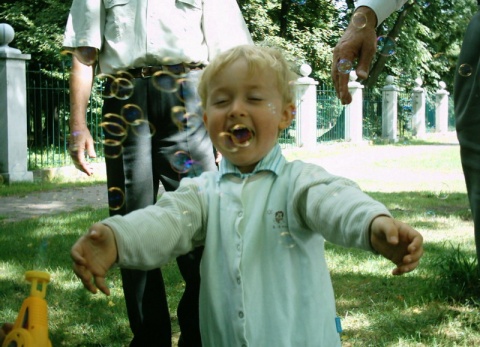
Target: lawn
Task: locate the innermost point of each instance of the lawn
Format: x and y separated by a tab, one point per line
420	182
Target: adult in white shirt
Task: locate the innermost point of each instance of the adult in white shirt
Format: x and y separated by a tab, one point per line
151	52
358	42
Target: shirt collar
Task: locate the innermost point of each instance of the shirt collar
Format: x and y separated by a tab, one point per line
273	161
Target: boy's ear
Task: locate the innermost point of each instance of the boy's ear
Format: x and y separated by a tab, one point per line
287	116
205	119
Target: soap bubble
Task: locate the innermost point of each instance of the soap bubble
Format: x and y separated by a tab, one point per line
465	70
359	20
116	198
386	45
344	66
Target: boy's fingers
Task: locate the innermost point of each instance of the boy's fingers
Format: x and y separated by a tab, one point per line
85	277
100	282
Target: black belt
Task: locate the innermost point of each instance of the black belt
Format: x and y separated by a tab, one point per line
177	69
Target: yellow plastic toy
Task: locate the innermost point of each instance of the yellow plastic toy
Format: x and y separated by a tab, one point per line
31	327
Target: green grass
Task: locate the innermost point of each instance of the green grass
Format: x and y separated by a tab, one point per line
436	305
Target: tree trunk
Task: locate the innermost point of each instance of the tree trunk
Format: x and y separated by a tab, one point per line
382	59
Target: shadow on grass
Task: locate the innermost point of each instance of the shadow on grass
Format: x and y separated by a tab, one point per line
393	308
389	309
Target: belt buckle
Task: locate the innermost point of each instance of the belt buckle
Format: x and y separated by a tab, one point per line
144	72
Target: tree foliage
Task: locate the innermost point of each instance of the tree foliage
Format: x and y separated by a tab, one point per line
428	38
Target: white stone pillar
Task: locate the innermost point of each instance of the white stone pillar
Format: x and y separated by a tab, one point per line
306	103
441	109
418	110
13	111
390	110
354	111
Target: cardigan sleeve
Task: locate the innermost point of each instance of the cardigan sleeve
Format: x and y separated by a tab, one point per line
152	236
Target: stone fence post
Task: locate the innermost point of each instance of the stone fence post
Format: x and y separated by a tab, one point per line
354	111
13	111
441	108
418	110
306	103
389	110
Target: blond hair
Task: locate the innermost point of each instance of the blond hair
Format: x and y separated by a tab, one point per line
257	58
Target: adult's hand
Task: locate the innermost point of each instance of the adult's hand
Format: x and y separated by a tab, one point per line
358	43
81	141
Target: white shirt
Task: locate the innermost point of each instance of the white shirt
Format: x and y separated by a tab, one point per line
137	33
382	8
265	280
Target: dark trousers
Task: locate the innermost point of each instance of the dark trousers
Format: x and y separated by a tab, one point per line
148	141
467	115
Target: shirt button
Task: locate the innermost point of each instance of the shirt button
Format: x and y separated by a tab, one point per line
240	214
240	314
238	247
239	280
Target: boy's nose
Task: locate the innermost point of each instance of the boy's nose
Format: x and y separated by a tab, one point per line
238	109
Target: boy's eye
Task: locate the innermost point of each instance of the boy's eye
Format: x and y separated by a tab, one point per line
255	98
219	101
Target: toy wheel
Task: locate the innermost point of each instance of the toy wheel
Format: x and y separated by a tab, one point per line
18	338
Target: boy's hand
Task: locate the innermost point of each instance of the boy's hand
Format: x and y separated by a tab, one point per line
93	254
398	242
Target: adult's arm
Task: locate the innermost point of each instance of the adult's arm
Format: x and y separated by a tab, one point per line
81	141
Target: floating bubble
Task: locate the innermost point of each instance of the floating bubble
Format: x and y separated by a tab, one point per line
179	116
242	135
181	162
86	55
465	70
286	239
185	93
423	3
195	169
194	121
344	66
112	148
114	124
443	192
226	143
106	82
386	45
359	20
165	81
430	213
116	198
122	88
131	113
238	136
143	127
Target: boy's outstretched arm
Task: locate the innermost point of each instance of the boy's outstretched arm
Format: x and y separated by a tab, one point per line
93	254
398	242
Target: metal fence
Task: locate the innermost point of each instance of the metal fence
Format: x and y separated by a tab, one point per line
48	110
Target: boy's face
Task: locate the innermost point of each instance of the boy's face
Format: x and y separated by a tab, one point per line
244	113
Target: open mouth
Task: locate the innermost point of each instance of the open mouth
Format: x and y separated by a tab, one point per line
241	135
237	136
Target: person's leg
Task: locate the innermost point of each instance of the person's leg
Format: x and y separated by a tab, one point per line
470	155
131	186
183	149
467	116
